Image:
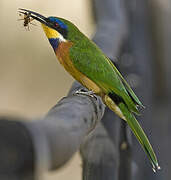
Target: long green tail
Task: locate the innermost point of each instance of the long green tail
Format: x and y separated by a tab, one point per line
139	133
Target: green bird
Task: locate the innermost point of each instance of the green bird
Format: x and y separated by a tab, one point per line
90	66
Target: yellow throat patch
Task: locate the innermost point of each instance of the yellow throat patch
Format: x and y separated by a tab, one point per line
50	33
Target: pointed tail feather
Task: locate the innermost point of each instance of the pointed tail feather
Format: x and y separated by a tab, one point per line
140	135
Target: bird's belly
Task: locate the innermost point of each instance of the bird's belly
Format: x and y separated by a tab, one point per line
62	54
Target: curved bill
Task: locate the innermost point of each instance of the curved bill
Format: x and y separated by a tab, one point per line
36	16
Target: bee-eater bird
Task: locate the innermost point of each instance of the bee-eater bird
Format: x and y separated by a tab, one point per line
89	65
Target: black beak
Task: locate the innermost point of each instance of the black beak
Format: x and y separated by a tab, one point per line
36	16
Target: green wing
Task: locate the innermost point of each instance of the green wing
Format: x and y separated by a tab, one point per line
131	92
90	60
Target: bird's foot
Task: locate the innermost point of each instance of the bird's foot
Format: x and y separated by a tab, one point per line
84	92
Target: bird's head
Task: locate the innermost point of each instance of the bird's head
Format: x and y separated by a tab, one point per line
56	29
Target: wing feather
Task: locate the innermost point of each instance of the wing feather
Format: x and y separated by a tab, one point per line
91	61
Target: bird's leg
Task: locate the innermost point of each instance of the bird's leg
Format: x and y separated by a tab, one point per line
84	92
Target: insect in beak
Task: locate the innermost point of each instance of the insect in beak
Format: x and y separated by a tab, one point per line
26	17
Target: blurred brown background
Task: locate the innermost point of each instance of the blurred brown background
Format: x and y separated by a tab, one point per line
31	79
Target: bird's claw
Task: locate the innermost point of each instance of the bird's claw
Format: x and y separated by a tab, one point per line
87	93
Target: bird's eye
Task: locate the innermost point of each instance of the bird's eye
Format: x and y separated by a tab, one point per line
56	24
